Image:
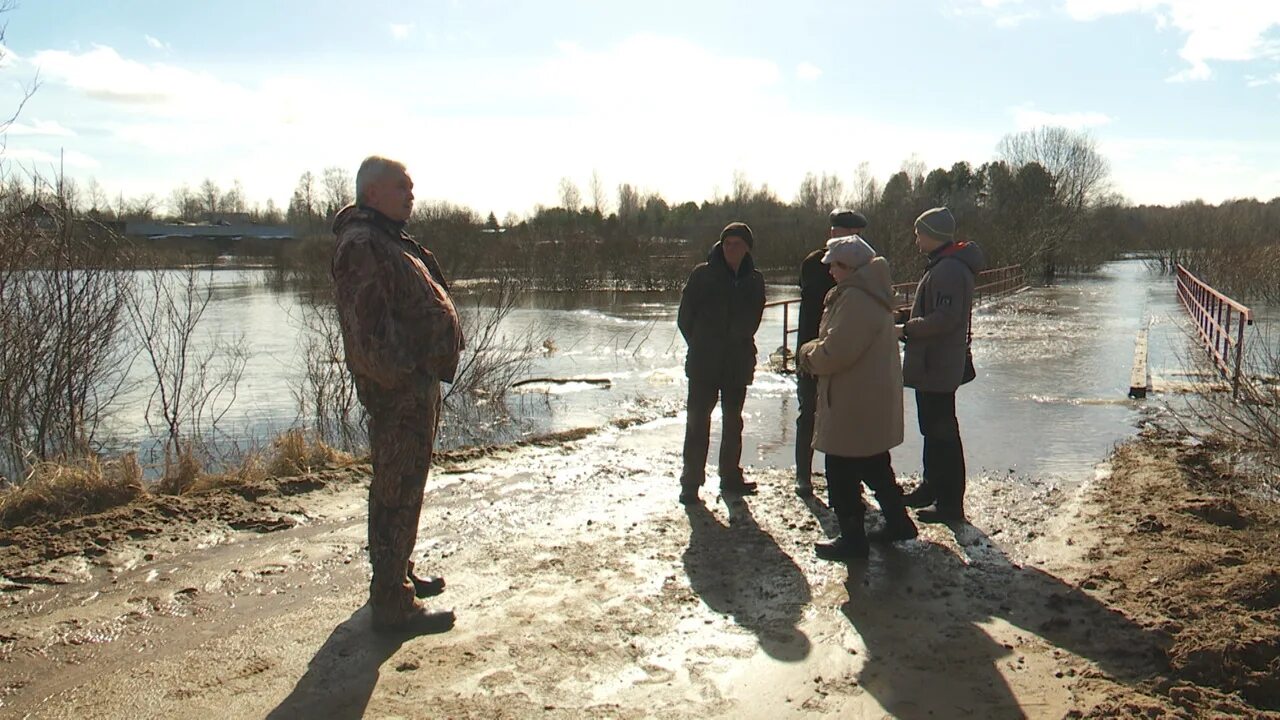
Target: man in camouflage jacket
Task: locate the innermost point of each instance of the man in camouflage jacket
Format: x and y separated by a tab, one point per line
402	337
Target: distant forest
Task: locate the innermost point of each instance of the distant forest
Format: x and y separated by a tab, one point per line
1046	202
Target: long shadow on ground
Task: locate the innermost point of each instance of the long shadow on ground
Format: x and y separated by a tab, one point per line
343	673
919	673
739	570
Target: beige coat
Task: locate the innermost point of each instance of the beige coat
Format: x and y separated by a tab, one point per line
855	358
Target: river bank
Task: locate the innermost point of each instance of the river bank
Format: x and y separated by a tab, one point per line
583	589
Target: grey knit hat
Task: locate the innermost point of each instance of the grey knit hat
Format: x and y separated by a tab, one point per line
938	223
851	251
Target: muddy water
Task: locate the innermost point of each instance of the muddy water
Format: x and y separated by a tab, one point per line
1050	399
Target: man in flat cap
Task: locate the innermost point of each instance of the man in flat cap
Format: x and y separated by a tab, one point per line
936	340
720	310
402	338
815	283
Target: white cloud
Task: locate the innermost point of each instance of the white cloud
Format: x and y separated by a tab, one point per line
1166	171
808	72
72	159
1215	30
1254	81
1026	118
103	74
1013	20
653	74
50	128
400	31
155	43
1006	13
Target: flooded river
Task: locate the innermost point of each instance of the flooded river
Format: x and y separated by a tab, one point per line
1050	399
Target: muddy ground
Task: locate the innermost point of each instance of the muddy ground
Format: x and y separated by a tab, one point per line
584	590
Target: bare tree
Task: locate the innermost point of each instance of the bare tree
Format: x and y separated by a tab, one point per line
232	200
628	203
599	196
570	198
339	189
210	197
915	169
494	359
62	362
184	203
1081	174
96	196
196	379
865	193
323	388
742	189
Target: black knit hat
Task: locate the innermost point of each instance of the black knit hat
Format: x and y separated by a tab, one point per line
738	229
848	219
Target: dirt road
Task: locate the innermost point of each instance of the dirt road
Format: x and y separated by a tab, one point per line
582	590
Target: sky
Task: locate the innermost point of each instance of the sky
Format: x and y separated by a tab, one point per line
491	104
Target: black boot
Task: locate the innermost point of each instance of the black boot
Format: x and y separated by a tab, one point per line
851	545
689	484
425	587
920	497
897	526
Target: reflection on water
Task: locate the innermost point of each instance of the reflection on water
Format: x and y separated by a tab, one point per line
1053	369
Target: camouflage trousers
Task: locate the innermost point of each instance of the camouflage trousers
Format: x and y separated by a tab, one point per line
402	431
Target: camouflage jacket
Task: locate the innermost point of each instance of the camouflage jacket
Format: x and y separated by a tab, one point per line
398	322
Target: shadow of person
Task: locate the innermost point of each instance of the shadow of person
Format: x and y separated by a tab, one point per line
920	610
739	570
823	514
341	676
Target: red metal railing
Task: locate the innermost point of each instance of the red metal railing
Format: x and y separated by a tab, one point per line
988	285
1220	322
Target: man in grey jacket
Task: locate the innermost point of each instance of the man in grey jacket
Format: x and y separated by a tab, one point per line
936	338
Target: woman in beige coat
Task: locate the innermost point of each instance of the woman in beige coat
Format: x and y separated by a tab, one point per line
859	411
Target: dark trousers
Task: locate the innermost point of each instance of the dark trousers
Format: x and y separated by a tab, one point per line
807	395
703	397
943	451
845	476
402	429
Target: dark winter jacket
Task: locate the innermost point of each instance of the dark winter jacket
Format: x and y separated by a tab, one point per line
719	314
936	334
399	325
815	283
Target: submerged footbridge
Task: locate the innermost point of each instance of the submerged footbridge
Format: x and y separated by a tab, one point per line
989	285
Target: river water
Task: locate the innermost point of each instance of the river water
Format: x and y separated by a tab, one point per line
1050	398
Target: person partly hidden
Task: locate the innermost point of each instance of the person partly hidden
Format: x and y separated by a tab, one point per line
859	398
720	310
815	283
935	354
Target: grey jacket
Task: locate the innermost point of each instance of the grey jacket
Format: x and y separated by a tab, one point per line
936	333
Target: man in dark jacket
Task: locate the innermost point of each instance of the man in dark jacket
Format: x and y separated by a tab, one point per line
720	310
936	339
815	282
402	337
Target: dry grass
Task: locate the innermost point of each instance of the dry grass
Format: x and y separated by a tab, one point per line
56	491
250	470
180	474
60	490
297	454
